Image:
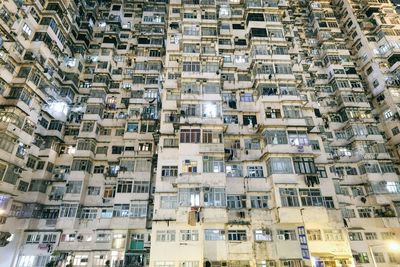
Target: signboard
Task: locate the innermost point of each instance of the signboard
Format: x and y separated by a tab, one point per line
303	242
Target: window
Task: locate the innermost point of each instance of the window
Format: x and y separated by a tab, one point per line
214	234
68	237
80	260
255	171
395	130
286	235
132	127
87	126
279	166
212	164
189	197
314	235
165	236
121	210
189	264
291	263
236	201
387	167
348	213
311	197
124	187
394	257
211	137
189	235
304	165
119	132
246	97
81	165
189	166
371	236
321	172
191	66
29	261
103	238
292	112
355	236
276	137
237	235
379	257
272	113
365	212
387	114
93	190
259	202
141	187
37	186
33	238
214	197
30	163
262	235
86	145
190	136
106	213
3	169
249	120
117	149
68	210
145	146
6	142
136	241
361	257
98	169
168	202
89	213
388	235
289	197
74	187
27	30
164	264
233	170
252	144
333	235
169	171
298	138
22	186
138	210
283	68
171	142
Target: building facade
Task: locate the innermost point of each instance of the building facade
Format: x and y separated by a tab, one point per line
79	109
199	133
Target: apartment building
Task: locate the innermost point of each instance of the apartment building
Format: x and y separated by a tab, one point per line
194	133
79	102
270	153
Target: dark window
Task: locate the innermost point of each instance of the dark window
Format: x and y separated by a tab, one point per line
190	136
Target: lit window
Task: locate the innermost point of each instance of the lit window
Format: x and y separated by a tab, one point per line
27	29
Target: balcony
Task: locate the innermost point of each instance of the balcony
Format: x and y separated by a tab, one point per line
189	178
